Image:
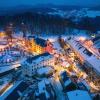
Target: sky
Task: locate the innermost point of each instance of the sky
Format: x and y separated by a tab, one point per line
7	3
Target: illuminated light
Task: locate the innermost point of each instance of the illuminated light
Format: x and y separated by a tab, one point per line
93	36
10	86
38	51
22	23
2	34
16	68
82	38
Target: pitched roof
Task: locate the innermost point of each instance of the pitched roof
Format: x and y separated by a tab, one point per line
78	95
39	41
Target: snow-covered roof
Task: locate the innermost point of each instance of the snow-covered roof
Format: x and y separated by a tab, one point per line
38	41
67	82
41	86
97	42
97	45
78	95
44	70
9	67
43	89
95	63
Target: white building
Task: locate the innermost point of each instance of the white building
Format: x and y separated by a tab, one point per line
31	64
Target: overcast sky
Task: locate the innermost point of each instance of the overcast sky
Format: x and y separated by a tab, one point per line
5	3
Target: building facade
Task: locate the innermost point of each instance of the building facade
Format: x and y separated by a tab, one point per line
39	45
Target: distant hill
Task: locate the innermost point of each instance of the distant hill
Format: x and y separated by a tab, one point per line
37	8
96	8
41	8
23	9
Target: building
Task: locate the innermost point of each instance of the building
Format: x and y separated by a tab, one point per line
66	82
96	42
87	52
45	91
39	45
78	95
31	64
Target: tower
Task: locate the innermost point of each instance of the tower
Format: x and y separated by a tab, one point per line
9	31
24	29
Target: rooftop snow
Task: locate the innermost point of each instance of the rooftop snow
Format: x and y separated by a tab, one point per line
67	82
44	70
78	95
41	86
94	62
9	67
45	87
